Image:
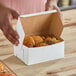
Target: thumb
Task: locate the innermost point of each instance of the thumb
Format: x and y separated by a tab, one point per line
58	10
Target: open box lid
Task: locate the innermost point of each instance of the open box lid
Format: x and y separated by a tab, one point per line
43	23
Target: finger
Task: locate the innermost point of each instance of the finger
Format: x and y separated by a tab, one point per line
14	14
10	28
11	39
48	7
55	7
17	36
11	31
58	10
8	31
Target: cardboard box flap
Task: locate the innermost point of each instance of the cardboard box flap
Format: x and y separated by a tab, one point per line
56	26
20	31
44	23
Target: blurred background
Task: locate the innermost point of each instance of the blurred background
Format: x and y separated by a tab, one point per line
67	4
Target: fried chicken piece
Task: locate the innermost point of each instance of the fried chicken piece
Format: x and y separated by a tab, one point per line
43	37
37	39
55	40
29	41
51	40
48	40
41	44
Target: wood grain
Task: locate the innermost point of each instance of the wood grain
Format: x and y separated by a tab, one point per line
60	67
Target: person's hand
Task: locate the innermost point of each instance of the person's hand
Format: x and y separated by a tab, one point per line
6	14
52	4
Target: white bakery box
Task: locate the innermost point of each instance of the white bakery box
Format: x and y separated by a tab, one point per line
44	23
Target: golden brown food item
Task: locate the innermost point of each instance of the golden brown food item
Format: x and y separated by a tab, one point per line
37	39
55	40
2	72
48	40
29	41
1	67
41	44
43	37
5	74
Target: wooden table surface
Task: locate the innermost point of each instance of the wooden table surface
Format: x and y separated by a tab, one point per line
60	67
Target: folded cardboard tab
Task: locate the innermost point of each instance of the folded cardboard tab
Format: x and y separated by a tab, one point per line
44	23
